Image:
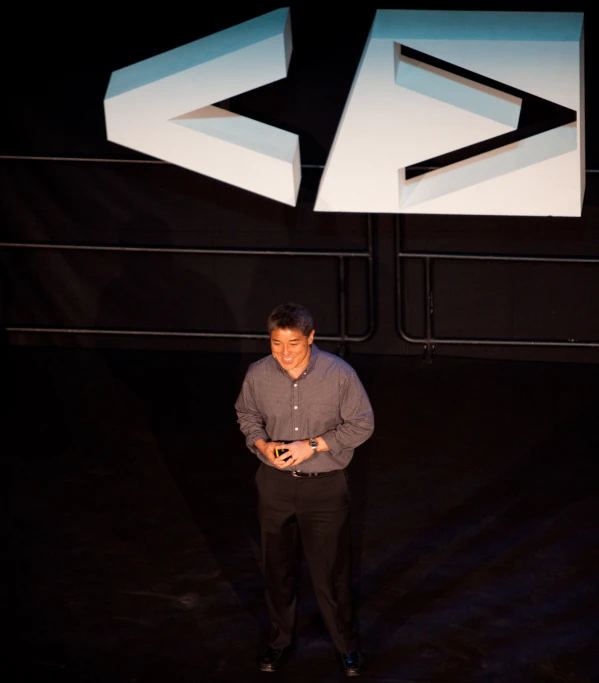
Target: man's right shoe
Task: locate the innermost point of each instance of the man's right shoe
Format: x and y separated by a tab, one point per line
273	658
352	663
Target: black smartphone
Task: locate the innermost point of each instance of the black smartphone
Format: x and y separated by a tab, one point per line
279	452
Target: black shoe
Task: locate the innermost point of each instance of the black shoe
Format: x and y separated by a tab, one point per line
273	658
352	663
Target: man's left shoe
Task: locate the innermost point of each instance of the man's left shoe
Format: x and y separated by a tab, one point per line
352	663
273	658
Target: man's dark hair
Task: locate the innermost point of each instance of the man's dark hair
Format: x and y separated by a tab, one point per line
290	316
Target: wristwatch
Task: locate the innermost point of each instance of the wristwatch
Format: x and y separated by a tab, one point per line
313	444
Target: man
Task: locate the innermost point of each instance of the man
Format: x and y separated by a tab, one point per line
302	412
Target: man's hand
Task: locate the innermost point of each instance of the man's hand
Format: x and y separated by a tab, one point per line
267	448
297	452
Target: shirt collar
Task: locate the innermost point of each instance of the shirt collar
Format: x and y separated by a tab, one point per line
313	356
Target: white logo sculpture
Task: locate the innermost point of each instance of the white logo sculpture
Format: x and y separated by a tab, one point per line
163	107
438	89
450	112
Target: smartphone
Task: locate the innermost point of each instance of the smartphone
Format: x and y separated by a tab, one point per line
279	452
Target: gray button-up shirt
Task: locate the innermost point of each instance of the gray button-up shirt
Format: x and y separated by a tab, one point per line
327	400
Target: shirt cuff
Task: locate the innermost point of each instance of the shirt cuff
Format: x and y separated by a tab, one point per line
332	442
255	436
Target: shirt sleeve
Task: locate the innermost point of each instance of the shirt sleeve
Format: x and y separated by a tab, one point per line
249	417
357	417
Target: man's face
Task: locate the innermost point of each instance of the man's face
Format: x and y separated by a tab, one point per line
291	348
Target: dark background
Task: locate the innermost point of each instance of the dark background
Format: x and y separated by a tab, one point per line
134	536
58	67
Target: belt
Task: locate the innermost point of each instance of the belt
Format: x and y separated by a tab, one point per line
307	475
304	475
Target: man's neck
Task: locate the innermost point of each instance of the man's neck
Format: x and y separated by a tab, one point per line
296	372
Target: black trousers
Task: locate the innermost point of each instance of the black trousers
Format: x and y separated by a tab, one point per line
312	513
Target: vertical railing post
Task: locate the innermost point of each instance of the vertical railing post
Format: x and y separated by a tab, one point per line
342	309
429	309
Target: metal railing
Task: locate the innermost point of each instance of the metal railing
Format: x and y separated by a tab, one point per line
343	338
429	340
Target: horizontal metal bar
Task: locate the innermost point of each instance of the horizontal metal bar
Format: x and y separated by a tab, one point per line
497	342
105	160
186	250
487	257
27	157
167	333
23	157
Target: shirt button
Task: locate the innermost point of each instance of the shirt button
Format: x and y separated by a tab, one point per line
296	429
295	385
294	407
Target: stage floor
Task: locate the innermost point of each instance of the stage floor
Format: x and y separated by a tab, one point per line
475	526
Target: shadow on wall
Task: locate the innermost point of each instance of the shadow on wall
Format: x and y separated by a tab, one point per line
188	395
165	291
